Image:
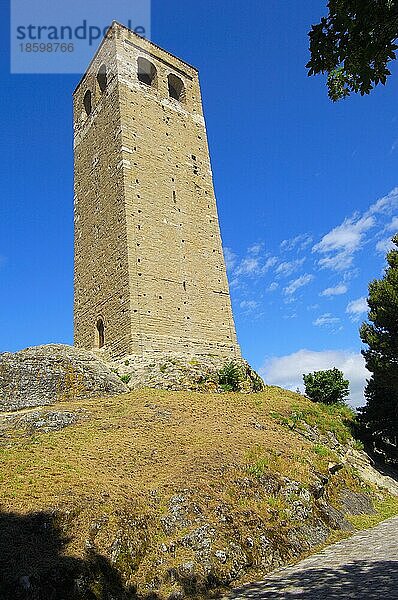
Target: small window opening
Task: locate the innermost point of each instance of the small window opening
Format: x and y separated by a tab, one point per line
176	88
146	72
102	78
100	333
87	103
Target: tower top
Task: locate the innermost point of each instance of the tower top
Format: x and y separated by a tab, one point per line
117	29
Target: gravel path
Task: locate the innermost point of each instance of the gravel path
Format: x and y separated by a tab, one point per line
364	566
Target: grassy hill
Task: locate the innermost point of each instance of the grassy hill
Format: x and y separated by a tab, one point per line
172	494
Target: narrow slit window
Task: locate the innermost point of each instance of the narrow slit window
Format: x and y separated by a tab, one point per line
100	333
102	78
87	103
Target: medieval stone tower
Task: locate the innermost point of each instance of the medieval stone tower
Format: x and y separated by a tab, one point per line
149	268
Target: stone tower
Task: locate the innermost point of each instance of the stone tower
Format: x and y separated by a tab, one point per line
149	268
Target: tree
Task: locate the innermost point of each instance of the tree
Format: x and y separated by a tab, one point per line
328	386
354	45
380	415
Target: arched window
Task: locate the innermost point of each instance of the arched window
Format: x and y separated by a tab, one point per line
102	78
176	88
100	333
87	102
146	72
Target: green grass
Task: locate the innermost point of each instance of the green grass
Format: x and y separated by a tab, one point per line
125	378
321	450
339	419
385	509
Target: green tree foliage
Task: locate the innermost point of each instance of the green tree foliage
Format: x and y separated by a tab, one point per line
380	415
354	45
328	386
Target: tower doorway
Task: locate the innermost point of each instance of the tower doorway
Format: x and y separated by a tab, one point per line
100	333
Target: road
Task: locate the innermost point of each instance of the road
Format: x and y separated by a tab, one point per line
363	566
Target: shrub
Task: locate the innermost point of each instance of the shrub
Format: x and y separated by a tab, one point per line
328	387
125	378
230	377
358	445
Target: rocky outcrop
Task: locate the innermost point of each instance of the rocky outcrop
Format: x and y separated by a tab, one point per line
201	373
47	374
187	545
348	455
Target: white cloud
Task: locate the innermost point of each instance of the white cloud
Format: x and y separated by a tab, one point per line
337	290
256	248
356	308
300	241
312	306
254	264
269	263
289	267
384	246
248	266
248	304
297	284
345	237
341	261
272	287
393	226
325	320
336	250
340	244
386	205
287	371
230	258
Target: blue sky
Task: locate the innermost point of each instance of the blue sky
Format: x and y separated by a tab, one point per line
305	188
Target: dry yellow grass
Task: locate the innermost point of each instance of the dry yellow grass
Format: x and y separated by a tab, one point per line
116	473
153	439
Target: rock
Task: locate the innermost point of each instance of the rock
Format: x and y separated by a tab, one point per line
222	557
365	468
334	467
334	518
38	420
173	371
354	503
126	551
44	375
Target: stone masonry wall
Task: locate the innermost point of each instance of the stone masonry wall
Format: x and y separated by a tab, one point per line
166	287
101	257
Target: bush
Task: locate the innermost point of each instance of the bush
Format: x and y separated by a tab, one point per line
328	387
230	377
125	378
